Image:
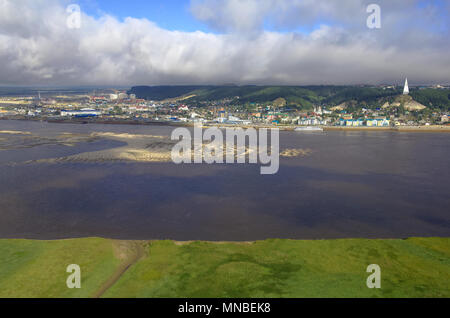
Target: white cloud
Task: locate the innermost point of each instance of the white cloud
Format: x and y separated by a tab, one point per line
232	15
36	47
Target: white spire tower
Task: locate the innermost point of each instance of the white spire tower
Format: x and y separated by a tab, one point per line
406	89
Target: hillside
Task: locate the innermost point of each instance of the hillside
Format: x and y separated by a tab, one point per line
298	96
433	98
407	102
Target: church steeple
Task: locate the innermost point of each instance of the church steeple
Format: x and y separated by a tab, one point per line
406	89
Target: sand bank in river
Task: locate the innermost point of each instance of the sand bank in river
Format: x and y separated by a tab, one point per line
20	140
145	148
292	153
136	148
13	132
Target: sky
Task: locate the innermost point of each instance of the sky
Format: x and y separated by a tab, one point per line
169	14
257	42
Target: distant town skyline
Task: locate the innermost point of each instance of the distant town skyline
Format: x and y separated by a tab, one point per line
195	42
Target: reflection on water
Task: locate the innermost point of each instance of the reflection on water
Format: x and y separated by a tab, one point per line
356	184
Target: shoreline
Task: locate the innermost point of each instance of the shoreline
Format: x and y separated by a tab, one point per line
186	242
439	128
433	128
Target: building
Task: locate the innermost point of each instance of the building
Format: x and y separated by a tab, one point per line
352	122
347	116
123	96
81	113
378	122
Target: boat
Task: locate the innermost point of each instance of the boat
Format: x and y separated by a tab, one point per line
309	128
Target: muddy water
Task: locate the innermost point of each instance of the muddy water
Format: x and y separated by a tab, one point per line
349	184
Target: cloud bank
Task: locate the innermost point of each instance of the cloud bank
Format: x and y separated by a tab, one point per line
252	43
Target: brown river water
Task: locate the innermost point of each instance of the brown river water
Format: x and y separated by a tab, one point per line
346	185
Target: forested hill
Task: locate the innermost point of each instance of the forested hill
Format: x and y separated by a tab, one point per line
299	96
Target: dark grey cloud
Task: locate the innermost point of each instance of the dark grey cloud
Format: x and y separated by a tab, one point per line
37	47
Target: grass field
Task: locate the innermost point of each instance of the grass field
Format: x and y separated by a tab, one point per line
416	267
38	268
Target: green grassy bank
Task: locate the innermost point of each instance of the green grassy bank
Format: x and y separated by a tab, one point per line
416	267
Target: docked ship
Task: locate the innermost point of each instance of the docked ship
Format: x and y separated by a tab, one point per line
309	128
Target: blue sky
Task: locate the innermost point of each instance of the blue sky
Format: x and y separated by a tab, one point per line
168	14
